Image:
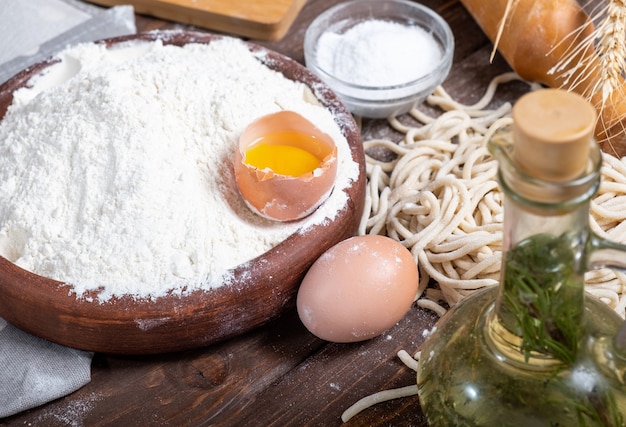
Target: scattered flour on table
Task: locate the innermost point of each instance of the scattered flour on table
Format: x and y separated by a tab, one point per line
116	167
72	414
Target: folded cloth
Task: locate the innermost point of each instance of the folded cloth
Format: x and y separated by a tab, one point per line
34	371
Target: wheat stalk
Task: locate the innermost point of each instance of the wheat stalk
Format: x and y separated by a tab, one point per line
608	41
577	64
594	63
510	4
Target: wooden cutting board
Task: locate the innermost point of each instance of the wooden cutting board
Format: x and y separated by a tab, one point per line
260	19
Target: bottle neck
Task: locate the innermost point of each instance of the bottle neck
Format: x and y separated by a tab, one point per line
539	310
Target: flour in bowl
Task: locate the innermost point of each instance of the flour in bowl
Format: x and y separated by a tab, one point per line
116	166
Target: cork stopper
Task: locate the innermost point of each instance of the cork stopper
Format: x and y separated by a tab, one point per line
552	130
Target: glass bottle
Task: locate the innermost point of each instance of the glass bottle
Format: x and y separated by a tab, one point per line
537	350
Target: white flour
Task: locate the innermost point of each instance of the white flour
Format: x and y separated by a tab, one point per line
120	177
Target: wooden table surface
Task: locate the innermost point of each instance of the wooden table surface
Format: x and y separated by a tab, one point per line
278	375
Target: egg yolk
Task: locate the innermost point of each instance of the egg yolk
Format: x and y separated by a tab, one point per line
285	153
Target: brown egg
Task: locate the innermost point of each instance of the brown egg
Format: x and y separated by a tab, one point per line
285	166
358	289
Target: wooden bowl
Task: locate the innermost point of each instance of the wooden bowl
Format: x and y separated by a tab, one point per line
264	288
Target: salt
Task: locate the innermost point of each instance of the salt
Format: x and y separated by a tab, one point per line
379	53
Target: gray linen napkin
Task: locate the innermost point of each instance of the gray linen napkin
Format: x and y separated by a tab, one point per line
34	371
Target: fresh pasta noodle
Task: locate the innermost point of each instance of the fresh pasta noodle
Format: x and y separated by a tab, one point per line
381	396
385	395
407	359
439	197
410	362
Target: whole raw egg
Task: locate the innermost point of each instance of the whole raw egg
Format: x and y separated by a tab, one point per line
358	289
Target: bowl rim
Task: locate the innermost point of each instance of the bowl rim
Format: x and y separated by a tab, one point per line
125	325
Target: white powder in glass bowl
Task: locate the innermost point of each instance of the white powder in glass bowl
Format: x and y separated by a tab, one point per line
116	167
378	53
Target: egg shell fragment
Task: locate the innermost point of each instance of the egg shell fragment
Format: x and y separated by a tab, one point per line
280	197
358	289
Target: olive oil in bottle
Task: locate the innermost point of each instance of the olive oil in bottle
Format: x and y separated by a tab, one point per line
536	350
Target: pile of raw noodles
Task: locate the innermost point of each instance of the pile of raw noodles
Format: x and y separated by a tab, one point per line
440	198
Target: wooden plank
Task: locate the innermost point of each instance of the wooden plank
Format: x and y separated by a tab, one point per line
261	19
319	390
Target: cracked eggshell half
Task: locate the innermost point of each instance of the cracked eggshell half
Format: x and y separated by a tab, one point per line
281	184
358	289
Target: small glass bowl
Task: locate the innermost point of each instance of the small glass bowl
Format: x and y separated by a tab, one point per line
380	101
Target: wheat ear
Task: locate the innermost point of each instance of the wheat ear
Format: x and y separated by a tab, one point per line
611	47
605	67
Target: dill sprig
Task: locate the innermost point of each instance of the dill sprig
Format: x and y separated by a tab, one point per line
542	298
